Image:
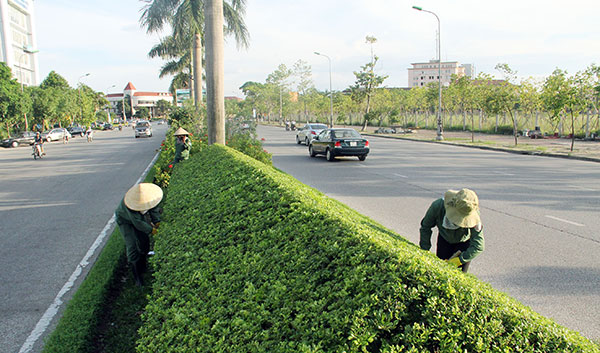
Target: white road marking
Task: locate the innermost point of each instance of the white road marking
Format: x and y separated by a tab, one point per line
49	314
400	175
566	221
581	188
503	173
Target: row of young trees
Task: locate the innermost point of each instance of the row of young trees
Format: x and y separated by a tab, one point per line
554	102
41	107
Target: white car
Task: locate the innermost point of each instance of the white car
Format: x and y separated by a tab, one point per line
309	132
56	134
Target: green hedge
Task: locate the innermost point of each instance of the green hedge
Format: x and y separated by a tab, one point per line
251	260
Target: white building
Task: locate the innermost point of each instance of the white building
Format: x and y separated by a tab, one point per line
137	99
421	74
18	40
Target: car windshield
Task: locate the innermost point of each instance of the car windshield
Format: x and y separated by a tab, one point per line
143	124
345	134
318	126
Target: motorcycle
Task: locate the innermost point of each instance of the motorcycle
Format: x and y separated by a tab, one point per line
287	126
37	151
293	126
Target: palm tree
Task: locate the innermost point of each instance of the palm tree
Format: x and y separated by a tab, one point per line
169	48
186	17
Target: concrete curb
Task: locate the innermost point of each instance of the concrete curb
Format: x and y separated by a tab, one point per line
499	149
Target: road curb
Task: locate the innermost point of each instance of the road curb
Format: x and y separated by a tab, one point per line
499	149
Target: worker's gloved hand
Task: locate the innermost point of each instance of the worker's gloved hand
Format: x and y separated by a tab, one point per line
455	261
154	231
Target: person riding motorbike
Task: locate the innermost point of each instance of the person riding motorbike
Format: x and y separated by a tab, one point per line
38	142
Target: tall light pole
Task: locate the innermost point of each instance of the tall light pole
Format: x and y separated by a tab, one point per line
26	50
107	88
80	99
440	136
330	91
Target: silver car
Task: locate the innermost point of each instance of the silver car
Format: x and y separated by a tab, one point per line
143	128
308	132
56	134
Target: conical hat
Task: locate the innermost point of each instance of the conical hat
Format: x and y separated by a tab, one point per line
181	132
143	196
462	207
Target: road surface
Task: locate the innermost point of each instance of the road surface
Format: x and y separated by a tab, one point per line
51	212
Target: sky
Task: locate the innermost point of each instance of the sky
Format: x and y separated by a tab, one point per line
534	37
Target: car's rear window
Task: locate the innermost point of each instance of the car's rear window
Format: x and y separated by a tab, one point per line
318	126
345	134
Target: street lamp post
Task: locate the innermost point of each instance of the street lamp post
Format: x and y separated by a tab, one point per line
330	92
80	99
26	50
440	136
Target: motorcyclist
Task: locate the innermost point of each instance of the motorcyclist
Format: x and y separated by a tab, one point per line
39	143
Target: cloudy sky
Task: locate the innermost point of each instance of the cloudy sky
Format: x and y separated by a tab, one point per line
104	38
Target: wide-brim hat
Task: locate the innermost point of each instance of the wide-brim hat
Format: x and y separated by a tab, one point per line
143	196
181	132
462	207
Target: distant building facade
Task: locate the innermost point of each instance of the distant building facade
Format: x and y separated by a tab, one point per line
18	40
137	99
422	74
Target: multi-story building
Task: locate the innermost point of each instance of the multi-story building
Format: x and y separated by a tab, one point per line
137	99
421	74
18	40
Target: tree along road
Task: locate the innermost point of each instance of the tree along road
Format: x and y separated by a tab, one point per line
540	214
51	212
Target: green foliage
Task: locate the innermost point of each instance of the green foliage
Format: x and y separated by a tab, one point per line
54	80
251	260
248	145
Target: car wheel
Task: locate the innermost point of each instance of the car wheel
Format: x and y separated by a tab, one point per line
136	136
362	157
306	141
297	140
311	152
48	139
14	144
329	155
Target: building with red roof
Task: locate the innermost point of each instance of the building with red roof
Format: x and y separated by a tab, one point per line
137	99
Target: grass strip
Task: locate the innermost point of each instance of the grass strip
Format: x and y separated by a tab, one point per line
78	329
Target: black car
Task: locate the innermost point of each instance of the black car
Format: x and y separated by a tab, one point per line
108	126
339	142
23	139
76	131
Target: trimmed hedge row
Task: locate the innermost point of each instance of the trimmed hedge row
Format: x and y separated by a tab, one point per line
251	260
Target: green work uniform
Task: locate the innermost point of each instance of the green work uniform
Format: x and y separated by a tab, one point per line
182	149
435	218
135	230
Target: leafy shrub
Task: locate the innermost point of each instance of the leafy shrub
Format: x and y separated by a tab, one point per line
251	260
250	146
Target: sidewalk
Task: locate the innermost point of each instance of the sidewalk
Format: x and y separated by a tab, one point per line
554	147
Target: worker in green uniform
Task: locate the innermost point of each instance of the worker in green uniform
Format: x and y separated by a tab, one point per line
138	217
183	145
460	233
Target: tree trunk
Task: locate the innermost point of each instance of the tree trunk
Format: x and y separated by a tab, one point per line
197	68
215	102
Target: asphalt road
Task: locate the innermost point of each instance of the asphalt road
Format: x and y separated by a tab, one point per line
540	214
51	212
